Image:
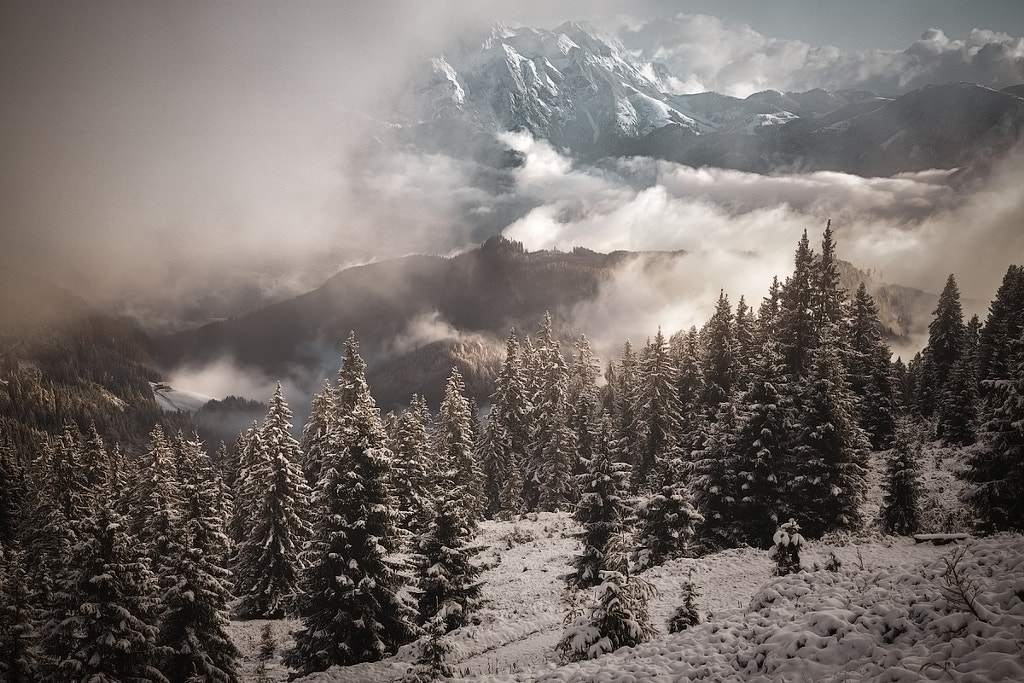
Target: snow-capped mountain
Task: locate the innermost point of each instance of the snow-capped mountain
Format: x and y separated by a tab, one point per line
575	86
581	90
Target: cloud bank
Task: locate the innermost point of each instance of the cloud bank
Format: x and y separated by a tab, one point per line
706	53
738	230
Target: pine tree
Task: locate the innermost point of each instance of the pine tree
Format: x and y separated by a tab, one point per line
745	332
266	563
582	402
431	665
690	388
1004	324
720	362
13	496
351	602
454	447
946	339
715	481
315	433
411	475
557	489
828	297
656	414
900	512
19	646
103	622
626	382
686	614
551	442
666	521
761	451
448	586
195	619
247	487
995	474
617	618
506	438
870	373
828	449
795	323
601	512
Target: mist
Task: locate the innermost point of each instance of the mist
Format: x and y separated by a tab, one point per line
738	230
159	152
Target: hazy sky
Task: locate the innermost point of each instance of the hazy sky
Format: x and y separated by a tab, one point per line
139	137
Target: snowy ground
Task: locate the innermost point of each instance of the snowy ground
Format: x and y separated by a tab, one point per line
886	615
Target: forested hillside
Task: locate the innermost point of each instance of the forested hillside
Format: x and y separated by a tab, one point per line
759	429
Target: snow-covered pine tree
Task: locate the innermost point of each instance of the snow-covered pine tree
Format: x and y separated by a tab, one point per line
870	372
719	355
617	618
103	623
95	461
506	439
714	478
71	479
551	443
194	631
828	298
685	350
794	326
1004	324
557	490
19	640
759	464
13	494
656	414
247	490
601	511
316	431
413	466
666	519
454	448
351	591
995	474
745	332
956	410
448	585
946	339
266	562
686	614
626	381
900	512
828	449
582	403
431	665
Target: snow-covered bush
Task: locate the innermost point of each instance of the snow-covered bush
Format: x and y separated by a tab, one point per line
786	552
617	618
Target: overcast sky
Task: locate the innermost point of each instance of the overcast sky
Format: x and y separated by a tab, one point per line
136	137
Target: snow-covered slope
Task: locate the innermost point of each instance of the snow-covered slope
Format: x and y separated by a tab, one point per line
890	613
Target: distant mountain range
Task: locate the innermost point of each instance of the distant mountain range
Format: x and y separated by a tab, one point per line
578	88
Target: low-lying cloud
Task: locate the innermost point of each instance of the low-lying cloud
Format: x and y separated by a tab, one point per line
705	53
738	230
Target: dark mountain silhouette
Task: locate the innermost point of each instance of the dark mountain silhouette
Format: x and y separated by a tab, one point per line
417	317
